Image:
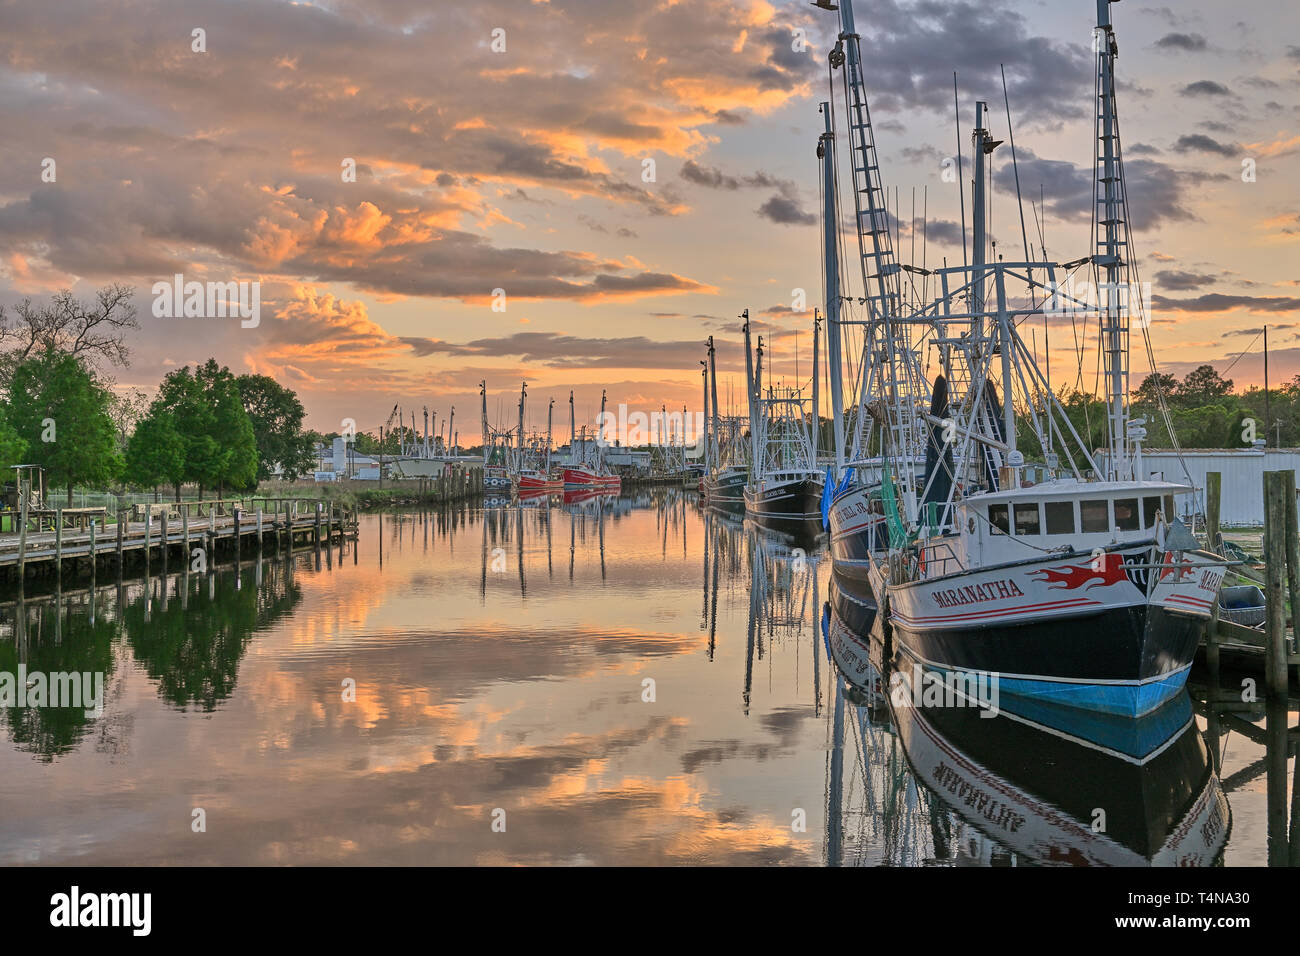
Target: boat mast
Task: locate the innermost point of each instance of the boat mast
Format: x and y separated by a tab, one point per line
830	224
1112	244
873	221
704	374
519	438
892	377
550	412
487	438
600	446
760	447
573	433
983	145
713	372
753	399
816	409
451	433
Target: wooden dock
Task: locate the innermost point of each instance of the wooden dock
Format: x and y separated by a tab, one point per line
1274	649
46	542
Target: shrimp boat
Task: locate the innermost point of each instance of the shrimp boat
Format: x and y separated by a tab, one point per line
725	487
533	463
726	472
588	471
785	484
1026	780
497	454
1010	552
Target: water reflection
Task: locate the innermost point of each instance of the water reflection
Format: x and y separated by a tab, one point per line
187	631
943	780
631	679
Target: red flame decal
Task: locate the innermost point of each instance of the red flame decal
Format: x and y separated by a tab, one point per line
1177	568
1072	577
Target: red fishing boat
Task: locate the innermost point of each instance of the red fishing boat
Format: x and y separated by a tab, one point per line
533	479
583	477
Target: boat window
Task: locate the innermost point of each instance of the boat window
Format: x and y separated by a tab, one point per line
1126	514
1094	515
998	518
1027	521
1169	508
1060	517
1149	508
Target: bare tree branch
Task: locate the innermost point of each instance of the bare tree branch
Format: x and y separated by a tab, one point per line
93	331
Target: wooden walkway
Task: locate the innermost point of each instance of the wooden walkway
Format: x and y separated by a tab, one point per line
175	528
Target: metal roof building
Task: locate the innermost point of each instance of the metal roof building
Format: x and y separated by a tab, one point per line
1242	469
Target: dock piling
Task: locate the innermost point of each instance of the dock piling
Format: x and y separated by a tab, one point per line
1276	488
23	495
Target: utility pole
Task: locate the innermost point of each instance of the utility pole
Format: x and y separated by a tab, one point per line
1267	417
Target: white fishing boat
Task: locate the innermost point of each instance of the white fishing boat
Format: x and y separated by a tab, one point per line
1010	552
785	485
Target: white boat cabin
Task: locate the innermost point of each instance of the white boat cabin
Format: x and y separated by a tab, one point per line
1067	515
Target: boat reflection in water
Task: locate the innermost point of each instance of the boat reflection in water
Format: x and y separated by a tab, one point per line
1013	784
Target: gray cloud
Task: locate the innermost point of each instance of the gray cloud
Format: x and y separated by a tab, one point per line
1205	88
1214	302
1157	192
1178	281
1200	143
913	49
557	350
714	178
1191	42
786	211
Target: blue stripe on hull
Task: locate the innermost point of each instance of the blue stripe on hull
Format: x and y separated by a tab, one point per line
1125	700
1118	698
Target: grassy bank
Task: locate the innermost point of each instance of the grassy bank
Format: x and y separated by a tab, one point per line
361	495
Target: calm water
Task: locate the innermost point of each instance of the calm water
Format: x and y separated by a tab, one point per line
625	682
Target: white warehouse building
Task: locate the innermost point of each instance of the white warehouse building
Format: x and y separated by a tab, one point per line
1242	500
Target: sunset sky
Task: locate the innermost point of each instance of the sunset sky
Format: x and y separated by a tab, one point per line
524	170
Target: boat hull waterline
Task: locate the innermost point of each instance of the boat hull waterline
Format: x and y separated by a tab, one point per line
584	479
726	490
785	500
1114	633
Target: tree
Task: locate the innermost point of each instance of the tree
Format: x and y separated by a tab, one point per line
276	414
181	397
127	409
93	332
236	463
1152	386
1202	386
61	411
156	453
219	449
12	446
239	467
